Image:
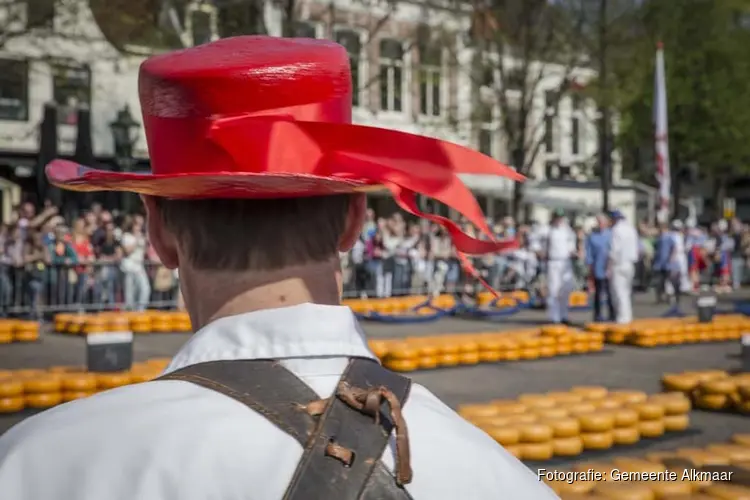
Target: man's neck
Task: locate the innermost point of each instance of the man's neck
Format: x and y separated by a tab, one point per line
213	295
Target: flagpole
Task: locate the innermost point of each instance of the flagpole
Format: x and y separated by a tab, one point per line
605	157
661	137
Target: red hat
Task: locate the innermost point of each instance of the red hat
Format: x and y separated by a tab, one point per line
263	117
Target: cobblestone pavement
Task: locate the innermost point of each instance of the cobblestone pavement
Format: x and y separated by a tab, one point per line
617	367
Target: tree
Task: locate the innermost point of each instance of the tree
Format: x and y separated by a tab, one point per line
524	50
707	70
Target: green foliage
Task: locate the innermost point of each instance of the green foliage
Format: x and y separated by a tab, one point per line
708	72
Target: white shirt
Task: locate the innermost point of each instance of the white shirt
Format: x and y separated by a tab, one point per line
561	242
172	440
623	249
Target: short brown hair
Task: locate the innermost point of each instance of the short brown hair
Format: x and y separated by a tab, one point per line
263	235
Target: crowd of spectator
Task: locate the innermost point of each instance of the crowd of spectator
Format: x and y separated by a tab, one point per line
103	259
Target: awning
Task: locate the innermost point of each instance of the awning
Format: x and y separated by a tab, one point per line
577	205
499	187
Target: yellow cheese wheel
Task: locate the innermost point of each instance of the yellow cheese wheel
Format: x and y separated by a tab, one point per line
674	403
596	421
529	353
535	433
490	356
735	452
597	440
571	489
111	380
676	423
477	411
512	354
608	404
398	365
625	417
741	439
378	348
565	397
725	491
536	401
73	395
563	349
567	446
6	337
47	400
28	372
563	427
428	350
537	451
701	457
651	428
718	386
712	401
10	388
629	464
75	382
504	435
447	359
624	490
514	449
648	411
469	358
547	351
26	335
626	435
590	392
525	418
670	489
580	347
505	407
679	382
576	408
743	387
41	384
550	413
11	404
427	362
629	397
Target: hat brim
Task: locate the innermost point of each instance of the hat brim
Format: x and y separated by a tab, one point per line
75	177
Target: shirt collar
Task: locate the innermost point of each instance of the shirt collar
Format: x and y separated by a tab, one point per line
300	331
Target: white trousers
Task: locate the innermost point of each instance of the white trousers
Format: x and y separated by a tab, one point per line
621	288
560	282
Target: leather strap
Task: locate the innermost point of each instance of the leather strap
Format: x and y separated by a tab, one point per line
268	388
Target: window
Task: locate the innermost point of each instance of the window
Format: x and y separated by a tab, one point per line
240	17
301	29
550	121
14	84
40	13
487	127
575	125
71	91
430	76
391	75
353	45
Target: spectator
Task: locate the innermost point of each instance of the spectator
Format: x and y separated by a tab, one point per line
84	272
36	260
136	285
108	253
62	275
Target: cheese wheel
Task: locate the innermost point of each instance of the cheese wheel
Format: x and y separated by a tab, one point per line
526	418
427	362
447	359
741	439
536	401
515	449
6	337
659	456
75	382
701	457
477	411
512	354
567	446
530	353
743	388
626	435
547	351
674	403
712	401
26	336
565	397
428	350
42	384
537	451
501	421
735	452
576	408
648	411
580	347
12	404
679	382
73	395
504	435
47	400
469	358
726	491
535	433
597	440
651	428
564	488
490	356
395	364
509	407
551	413
608	404
118	379
629	397
718	386
596	422
590	392
670	489
10	388
563	349
624	490
563	427
676	423
625	417
28	372
629	464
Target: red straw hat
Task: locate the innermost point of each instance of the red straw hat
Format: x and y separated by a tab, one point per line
263	117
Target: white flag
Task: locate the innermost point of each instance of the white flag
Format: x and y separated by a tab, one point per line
661	128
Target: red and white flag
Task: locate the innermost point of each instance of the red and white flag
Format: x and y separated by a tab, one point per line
661	135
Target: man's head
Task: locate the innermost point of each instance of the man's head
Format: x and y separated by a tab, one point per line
602	221
558	215
238	235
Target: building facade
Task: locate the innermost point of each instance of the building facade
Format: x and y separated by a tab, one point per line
411	67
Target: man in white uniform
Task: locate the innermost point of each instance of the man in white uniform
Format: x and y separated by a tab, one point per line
277	394
623	254
561	247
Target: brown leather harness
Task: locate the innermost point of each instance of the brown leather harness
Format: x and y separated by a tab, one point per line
343	436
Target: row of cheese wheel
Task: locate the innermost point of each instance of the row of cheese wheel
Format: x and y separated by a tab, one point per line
630	478
123	321
40	389
539	427
673	331
16	330
712	389
421	353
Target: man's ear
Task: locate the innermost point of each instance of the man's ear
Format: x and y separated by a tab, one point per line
160	237
355	219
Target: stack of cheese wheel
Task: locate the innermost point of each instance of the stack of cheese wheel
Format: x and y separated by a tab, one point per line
41	389
180	321
674	331
644	478
584	418
578	299
714	390
140	322
11	393
12	330
415	353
